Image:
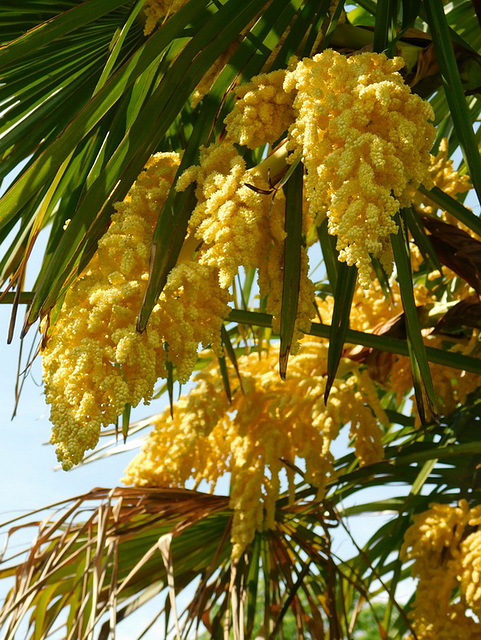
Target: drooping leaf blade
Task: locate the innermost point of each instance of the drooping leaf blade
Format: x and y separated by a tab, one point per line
346	284
417	351
292	264
440	32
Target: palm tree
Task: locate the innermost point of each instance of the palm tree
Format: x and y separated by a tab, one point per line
90	91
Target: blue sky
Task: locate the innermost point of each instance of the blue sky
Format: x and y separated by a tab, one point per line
27	464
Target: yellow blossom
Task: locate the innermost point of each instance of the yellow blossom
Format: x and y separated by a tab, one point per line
269	423
95	362
263	110
447	556
156	10
432	621
435	535
364	140
240	226
232	220
471	571
172	453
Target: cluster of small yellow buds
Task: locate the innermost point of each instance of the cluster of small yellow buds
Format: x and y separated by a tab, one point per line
94	361
269	425
363	136
444	542
365	140
241	223
234	221
445	177
156	10
263	111
191	311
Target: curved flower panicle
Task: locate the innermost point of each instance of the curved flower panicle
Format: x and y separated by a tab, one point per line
262	112
156	10
269	425
86	382
365	142
447	557
95	362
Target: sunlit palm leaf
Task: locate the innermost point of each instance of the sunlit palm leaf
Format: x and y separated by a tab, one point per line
454	90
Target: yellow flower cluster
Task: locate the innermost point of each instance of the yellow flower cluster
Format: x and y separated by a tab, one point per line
263	111
371	308
452	386
234	222
364	140
156	10
471	563
444	543
446	177
268	424
242	226
95	362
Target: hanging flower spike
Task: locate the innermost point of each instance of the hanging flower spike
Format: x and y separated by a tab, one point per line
233	221
95	362
85	383
263	111
268	424
365	142
445	548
